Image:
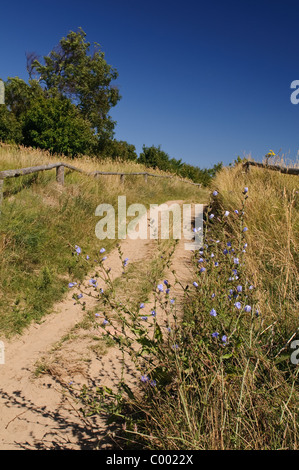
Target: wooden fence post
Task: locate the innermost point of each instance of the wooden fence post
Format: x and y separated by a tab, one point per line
122	179
145	177
60	175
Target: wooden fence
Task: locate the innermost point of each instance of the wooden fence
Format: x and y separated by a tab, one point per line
281	169
60	174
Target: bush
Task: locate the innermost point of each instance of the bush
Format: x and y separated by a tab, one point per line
10	128
118	149
55	124
154	157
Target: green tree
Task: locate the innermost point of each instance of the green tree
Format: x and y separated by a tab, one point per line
55	124
84	77
154	157
10	128
19	95
118	149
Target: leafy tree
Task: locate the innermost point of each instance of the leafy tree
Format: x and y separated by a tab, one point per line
55	124
118	149
154	157
44	118
19	95
83	77
10	128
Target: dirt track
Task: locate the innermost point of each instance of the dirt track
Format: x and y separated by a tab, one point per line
34	411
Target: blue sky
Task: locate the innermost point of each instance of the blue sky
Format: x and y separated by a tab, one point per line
207	81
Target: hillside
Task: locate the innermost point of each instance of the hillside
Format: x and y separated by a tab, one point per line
234	375
177	349
42	222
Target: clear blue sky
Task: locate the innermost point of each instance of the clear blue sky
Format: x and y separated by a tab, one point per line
207	81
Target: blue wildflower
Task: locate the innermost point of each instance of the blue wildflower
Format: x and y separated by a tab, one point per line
141	305
239	288
102	250
215	193
160	287
245	229
195	284
238	305
247	308
213	312
215	334
72	284
153	312
224	338
78	249
202	270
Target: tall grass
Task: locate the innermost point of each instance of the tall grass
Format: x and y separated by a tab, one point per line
222	378
41	222
272	253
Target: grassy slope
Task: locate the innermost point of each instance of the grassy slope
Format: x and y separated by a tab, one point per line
238	391
239	395
41	223
272	217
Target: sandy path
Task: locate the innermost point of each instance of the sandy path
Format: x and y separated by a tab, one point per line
34	414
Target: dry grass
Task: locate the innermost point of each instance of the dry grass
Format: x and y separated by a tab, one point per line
242	394
272	218
41	222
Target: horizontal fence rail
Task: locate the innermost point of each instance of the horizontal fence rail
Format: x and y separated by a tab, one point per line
60	174
281	169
